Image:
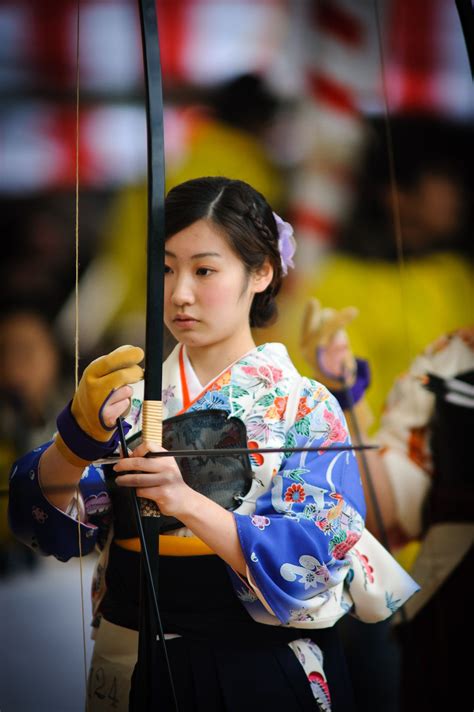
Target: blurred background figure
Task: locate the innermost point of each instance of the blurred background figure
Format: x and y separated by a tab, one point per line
38	258
425	435
408	272
30	395
414	285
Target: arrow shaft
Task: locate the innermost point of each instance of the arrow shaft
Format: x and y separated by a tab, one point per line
226	452
220	452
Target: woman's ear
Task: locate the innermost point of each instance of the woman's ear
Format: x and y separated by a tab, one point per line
262	277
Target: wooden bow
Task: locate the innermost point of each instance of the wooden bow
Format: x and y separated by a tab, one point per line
145	692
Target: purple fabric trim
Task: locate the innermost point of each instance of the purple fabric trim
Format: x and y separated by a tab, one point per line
348	397
80	443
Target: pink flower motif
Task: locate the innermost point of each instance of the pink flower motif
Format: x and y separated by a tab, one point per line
341	549
258	429
39	515
286	243
337	432
267	374
295	493
369	571
97	504
168	394
317	681
325	525
260	522
323	572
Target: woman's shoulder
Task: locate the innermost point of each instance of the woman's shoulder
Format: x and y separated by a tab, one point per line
267	366
298	395
314	398
273	354
311	387
275	357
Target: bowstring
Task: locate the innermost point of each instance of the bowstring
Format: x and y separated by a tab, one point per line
396	213
395	205
76	326
394	198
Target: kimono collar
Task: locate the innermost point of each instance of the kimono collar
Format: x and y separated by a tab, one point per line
181	384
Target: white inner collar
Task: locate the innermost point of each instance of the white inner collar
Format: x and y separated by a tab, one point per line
193	383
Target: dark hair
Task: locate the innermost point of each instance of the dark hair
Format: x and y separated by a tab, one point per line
421	146
246	221
244	101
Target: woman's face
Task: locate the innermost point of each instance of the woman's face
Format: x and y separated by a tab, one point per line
208	293
28	358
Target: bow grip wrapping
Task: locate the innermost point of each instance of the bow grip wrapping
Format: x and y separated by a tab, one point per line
152	431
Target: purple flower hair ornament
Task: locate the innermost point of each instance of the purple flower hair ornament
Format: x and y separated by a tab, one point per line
286	243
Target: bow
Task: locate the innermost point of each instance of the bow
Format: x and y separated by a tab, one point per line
145	692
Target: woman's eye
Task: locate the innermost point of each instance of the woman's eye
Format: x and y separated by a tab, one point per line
204	271
167	269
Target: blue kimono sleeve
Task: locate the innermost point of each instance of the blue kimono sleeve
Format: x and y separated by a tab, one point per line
296	542
42	526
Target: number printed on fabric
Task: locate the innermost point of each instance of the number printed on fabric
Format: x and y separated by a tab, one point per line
103	688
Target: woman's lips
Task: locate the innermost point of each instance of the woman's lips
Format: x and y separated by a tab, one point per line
185	321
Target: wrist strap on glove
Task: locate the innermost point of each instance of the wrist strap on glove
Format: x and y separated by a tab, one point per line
79	448
348	397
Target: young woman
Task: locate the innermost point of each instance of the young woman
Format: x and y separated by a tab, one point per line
248	597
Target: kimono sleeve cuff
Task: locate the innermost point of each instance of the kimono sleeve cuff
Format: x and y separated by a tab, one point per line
252	584
251	573
41	525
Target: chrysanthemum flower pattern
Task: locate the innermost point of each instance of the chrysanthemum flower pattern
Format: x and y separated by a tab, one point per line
295	493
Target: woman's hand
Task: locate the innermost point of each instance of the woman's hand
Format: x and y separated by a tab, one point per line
156	478
325	344
159	479
117	405
335	360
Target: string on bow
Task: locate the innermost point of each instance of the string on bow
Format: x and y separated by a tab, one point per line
76	318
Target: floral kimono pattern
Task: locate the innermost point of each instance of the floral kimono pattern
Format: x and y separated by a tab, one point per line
301	525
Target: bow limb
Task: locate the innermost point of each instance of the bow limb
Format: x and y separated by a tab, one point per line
145	693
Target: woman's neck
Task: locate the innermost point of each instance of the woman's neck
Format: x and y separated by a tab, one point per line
208	362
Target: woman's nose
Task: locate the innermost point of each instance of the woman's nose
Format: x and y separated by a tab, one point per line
182	292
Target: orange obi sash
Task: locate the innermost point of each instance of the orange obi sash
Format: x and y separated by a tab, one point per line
171	545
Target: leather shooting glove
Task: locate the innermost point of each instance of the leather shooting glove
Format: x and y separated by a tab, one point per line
325	345
83	436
